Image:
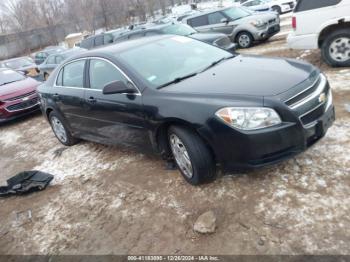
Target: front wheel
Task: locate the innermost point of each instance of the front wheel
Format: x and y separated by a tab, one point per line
244	40
336	48
191	155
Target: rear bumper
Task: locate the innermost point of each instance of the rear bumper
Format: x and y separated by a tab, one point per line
236	150
309	41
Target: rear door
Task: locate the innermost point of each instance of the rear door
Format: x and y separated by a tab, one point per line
215	22
68	94
114	118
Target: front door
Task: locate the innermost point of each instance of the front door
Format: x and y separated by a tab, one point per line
114	118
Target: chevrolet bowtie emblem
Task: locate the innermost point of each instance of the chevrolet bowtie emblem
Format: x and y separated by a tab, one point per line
322	98
25	99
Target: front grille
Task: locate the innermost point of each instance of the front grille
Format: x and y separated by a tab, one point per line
21	96
23	105
223	42
312	115
304	94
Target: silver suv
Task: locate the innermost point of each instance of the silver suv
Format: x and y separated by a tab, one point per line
241	25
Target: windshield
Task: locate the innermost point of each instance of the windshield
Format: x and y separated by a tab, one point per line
237	13
9	76
176	29
163	61
18	63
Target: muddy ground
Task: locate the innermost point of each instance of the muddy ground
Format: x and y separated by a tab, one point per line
110	200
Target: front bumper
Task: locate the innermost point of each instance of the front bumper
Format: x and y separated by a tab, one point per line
237	150
267	32
19	108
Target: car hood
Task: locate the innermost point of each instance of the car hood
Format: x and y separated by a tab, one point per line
18	88
247	75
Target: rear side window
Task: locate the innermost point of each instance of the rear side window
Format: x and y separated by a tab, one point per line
108	39
215	18
99	40
87	43
50	60
198	21
102	73
305	5
73	74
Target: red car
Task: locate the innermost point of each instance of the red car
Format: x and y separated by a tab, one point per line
18	95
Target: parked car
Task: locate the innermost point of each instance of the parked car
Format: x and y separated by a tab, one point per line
101	39
323	25
217	39
241	25
18	96
196	103
281	6
42	55
54	60
257	5
23	64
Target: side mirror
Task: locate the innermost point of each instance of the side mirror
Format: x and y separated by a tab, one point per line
117	87
224	20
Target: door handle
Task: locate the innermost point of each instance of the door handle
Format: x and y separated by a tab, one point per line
91	100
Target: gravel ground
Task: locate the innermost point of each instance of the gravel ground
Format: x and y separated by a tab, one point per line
110	200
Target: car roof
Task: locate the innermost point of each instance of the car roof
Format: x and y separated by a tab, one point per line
209	12
121	47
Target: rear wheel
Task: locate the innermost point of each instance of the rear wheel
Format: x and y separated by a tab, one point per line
60	130
191	155
244	40
336	48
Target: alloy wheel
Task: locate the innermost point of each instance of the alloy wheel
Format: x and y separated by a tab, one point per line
181	155
59	129
339	50
244	40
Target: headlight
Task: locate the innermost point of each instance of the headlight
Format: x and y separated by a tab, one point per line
258	23
249	118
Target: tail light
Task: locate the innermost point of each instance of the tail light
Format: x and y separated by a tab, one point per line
294	22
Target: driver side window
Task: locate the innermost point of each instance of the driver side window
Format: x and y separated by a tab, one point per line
102	73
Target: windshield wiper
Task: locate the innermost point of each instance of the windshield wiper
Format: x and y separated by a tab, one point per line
177	80
217	62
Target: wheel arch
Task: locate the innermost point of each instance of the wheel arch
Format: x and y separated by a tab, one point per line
160	136
341	24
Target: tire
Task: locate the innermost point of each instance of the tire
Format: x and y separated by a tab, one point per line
199	156
330	52
55	121
244	40
277	9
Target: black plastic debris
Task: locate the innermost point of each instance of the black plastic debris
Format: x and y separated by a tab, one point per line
26	182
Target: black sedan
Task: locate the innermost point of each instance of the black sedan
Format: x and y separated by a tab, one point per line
198	104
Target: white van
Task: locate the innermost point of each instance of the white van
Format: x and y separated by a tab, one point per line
323	24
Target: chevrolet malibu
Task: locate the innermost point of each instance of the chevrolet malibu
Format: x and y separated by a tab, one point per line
197	104
18	95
